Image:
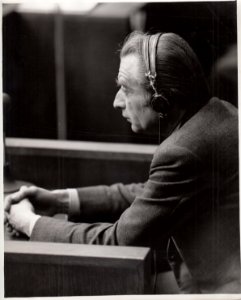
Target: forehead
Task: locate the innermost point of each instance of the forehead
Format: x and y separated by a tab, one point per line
130	70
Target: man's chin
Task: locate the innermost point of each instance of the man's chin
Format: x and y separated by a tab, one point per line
150	130
136	129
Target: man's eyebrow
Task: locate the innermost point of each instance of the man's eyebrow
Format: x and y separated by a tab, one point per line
120	82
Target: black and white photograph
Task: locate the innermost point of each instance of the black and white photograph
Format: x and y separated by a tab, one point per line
120	149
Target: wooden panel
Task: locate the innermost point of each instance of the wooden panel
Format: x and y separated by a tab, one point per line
29	74
53	269
97	150
61	164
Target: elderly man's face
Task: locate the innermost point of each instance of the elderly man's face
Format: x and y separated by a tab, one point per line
132	97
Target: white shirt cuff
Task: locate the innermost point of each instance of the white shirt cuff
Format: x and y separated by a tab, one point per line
34	218
74	204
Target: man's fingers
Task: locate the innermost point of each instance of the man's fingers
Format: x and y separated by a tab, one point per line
5	218
17	233
24	192
14	198
9	228
14	233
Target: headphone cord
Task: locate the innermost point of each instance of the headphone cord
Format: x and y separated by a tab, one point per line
155	272
159	131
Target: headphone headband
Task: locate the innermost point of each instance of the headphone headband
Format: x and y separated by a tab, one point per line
149	53
158	101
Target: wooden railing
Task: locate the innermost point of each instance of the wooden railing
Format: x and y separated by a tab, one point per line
61	164
34	269
77	149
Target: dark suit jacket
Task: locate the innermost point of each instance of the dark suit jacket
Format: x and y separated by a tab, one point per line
192	195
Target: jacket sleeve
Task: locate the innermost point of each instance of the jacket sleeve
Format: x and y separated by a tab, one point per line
173	179
106	202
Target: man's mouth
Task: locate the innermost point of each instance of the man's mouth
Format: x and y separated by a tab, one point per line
127	118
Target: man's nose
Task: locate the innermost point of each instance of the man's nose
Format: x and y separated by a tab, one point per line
119	101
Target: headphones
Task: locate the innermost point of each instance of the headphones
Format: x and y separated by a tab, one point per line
158	102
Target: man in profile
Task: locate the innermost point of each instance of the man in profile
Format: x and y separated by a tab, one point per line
190	202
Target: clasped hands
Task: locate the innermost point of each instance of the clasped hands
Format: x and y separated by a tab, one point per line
24	207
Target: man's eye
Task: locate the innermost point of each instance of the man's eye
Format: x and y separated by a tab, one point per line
124	88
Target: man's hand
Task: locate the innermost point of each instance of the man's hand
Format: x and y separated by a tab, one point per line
47	203
21	216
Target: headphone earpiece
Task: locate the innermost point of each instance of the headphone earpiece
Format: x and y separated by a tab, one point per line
160	104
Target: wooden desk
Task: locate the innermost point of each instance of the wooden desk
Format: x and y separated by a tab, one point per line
35	269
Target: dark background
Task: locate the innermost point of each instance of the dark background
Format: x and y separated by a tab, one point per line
91	59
